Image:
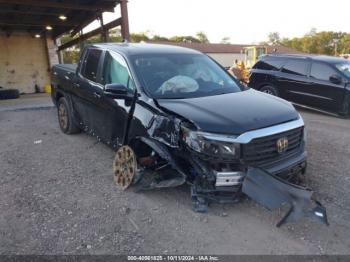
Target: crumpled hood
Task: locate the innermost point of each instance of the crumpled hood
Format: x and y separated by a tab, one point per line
233	113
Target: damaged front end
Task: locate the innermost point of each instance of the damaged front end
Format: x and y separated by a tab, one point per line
173	152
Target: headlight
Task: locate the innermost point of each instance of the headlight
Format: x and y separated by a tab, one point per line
211	144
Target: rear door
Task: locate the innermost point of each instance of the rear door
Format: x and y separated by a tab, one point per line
293	80
89	93
324	94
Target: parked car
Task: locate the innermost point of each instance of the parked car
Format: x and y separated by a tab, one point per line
176	116
319	82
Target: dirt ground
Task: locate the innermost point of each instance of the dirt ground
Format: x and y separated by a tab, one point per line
57	197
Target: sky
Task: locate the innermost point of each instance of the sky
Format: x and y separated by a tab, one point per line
245	22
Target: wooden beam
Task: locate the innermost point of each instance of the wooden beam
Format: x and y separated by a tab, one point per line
104	32
84	24
28	12
63	5
28	23
92	33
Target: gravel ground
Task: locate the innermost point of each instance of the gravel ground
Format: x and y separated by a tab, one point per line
57	197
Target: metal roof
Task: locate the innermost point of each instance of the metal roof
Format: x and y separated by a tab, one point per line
34	16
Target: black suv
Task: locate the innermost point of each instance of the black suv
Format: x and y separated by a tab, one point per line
319	82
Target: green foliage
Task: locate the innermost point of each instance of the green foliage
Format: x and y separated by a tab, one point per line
326	42
71	56
274	38
158	38
188	38
138	37
202	37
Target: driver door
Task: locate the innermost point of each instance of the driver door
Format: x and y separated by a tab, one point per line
115	71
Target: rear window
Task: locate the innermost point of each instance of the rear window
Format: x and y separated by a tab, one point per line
269	64
296	67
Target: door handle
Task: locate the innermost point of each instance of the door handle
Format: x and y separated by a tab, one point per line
97	95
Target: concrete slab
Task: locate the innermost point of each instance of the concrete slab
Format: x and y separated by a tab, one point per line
27	102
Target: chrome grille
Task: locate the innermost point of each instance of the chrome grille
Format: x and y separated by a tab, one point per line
263	151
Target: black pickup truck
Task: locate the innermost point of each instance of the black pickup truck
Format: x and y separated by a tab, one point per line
175	116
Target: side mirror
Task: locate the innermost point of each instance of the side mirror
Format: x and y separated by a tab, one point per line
117	91
335	79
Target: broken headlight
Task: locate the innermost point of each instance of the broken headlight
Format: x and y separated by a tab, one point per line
211	144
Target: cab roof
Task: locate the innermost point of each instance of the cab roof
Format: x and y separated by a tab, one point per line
145	48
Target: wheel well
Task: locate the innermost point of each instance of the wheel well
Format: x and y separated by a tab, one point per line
263	85
140	148
58	96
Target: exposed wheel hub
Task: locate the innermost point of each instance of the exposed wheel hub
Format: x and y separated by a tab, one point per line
124	167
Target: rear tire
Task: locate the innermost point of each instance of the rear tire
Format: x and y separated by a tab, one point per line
65	118
269	90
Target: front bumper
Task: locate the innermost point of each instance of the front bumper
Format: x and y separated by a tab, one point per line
234	173
268	187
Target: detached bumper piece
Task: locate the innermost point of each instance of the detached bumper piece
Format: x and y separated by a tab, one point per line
272	192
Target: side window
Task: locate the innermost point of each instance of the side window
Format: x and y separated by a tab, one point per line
115	71
296	67
321	71
269	64
91	64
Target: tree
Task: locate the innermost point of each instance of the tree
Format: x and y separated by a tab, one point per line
138	37
226	40
326	42
188	38
202	37
274	38
158	38
71	57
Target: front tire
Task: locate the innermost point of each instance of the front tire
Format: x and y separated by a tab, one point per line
65	118
269	90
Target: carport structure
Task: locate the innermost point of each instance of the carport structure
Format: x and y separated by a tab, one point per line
29	30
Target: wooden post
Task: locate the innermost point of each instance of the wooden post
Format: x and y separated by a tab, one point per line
104	37
59	53
81	42
125	19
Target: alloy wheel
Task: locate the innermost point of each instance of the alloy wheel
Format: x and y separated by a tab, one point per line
62	116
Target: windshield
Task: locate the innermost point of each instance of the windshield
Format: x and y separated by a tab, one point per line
344	67
182	76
